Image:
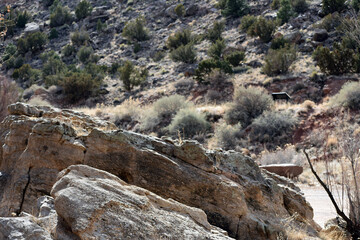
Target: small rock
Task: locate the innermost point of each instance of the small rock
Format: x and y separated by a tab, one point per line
31	27
320	35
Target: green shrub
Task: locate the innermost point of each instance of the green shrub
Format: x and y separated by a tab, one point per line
79	85
47	3
330	6
279	42
285	12
355	4
22	19
248	104
33	42
329	22
84	54
10	51
179	10
188	123
53	33
216	50
234	8
52	66
132	76
114	68
26	74
68	50
79	38
60	16
205	67
83	9
136	31
100	26
184	53
180	38
235	58
227	136
275	4
339	61
157	56
299	6
215	32
275	128
348	96
246	22
278	61
263	29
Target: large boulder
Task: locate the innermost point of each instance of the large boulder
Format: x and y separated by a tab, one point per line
39	142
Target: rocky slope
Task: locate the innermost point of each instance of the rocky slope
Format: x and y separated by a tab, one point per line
205	194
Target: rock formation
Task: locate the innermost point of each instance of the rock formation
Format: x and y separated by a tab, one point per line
237	197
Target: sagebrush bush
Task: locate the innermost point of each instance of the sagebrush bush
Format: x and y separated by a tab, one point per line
135	30
22	19
214	33
248	103
53	33
60	16
26	74
278	43
348	96
275	4
79	85
330	22
235	58
285	12
217	78
263	29
330	6
180	38
205	67
84	54
246	22
52	66
339	61
273	127
83	9
234	8
184	53
278	61
132	76
32	42
79	38
227	136
68	50
179	10
8	94
216	49
299	6
188	122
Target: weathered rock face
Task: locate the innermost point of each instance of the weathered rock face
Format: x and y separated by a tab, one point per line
94	203
37	143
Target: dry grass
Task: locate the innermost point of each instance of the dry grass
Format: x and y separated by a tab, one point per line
38	101
333	233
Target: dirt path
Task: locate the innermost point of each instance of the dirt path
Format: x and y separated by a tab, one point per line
319	200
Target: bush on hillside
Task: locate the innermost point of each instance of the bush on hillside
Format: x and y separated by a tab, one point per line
285	12
348	96
22	19
246	22
299	6
275	4
188	123
180	38
330	6
214	33
79	38
83	9
60	16
227	137
235	58
53	66
84	54
132	76
8	95
184	53
234	8
53	34
68	50
135	30
179	10
205	67
32	42
278	61
263	29
279	42
248	103
26	74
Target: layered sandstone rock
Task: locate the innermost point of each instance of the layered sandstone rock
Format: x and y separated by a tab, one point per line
37	143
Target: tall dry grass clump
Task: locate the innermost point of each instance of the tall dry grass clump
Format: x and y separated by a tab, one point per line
8	95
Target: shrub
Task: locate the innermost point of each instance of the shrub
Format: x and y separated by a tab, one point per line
60	16
83	9
136	31
53	33
275	4
33	42
79	85
132	76
26	74
278	61
246	22
10	51
279	42
216	50
234	8
184	53
68	50
273	127
285	11
214	33
227	136
329	22
356	5
84	54
47	3
179	10
53	66
248	104
235	58
157	56
263	29
100	26
348	96
8	95
188	123
180	38
217	78
205	67
330	6
340	60
299	6
22	19
79	38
